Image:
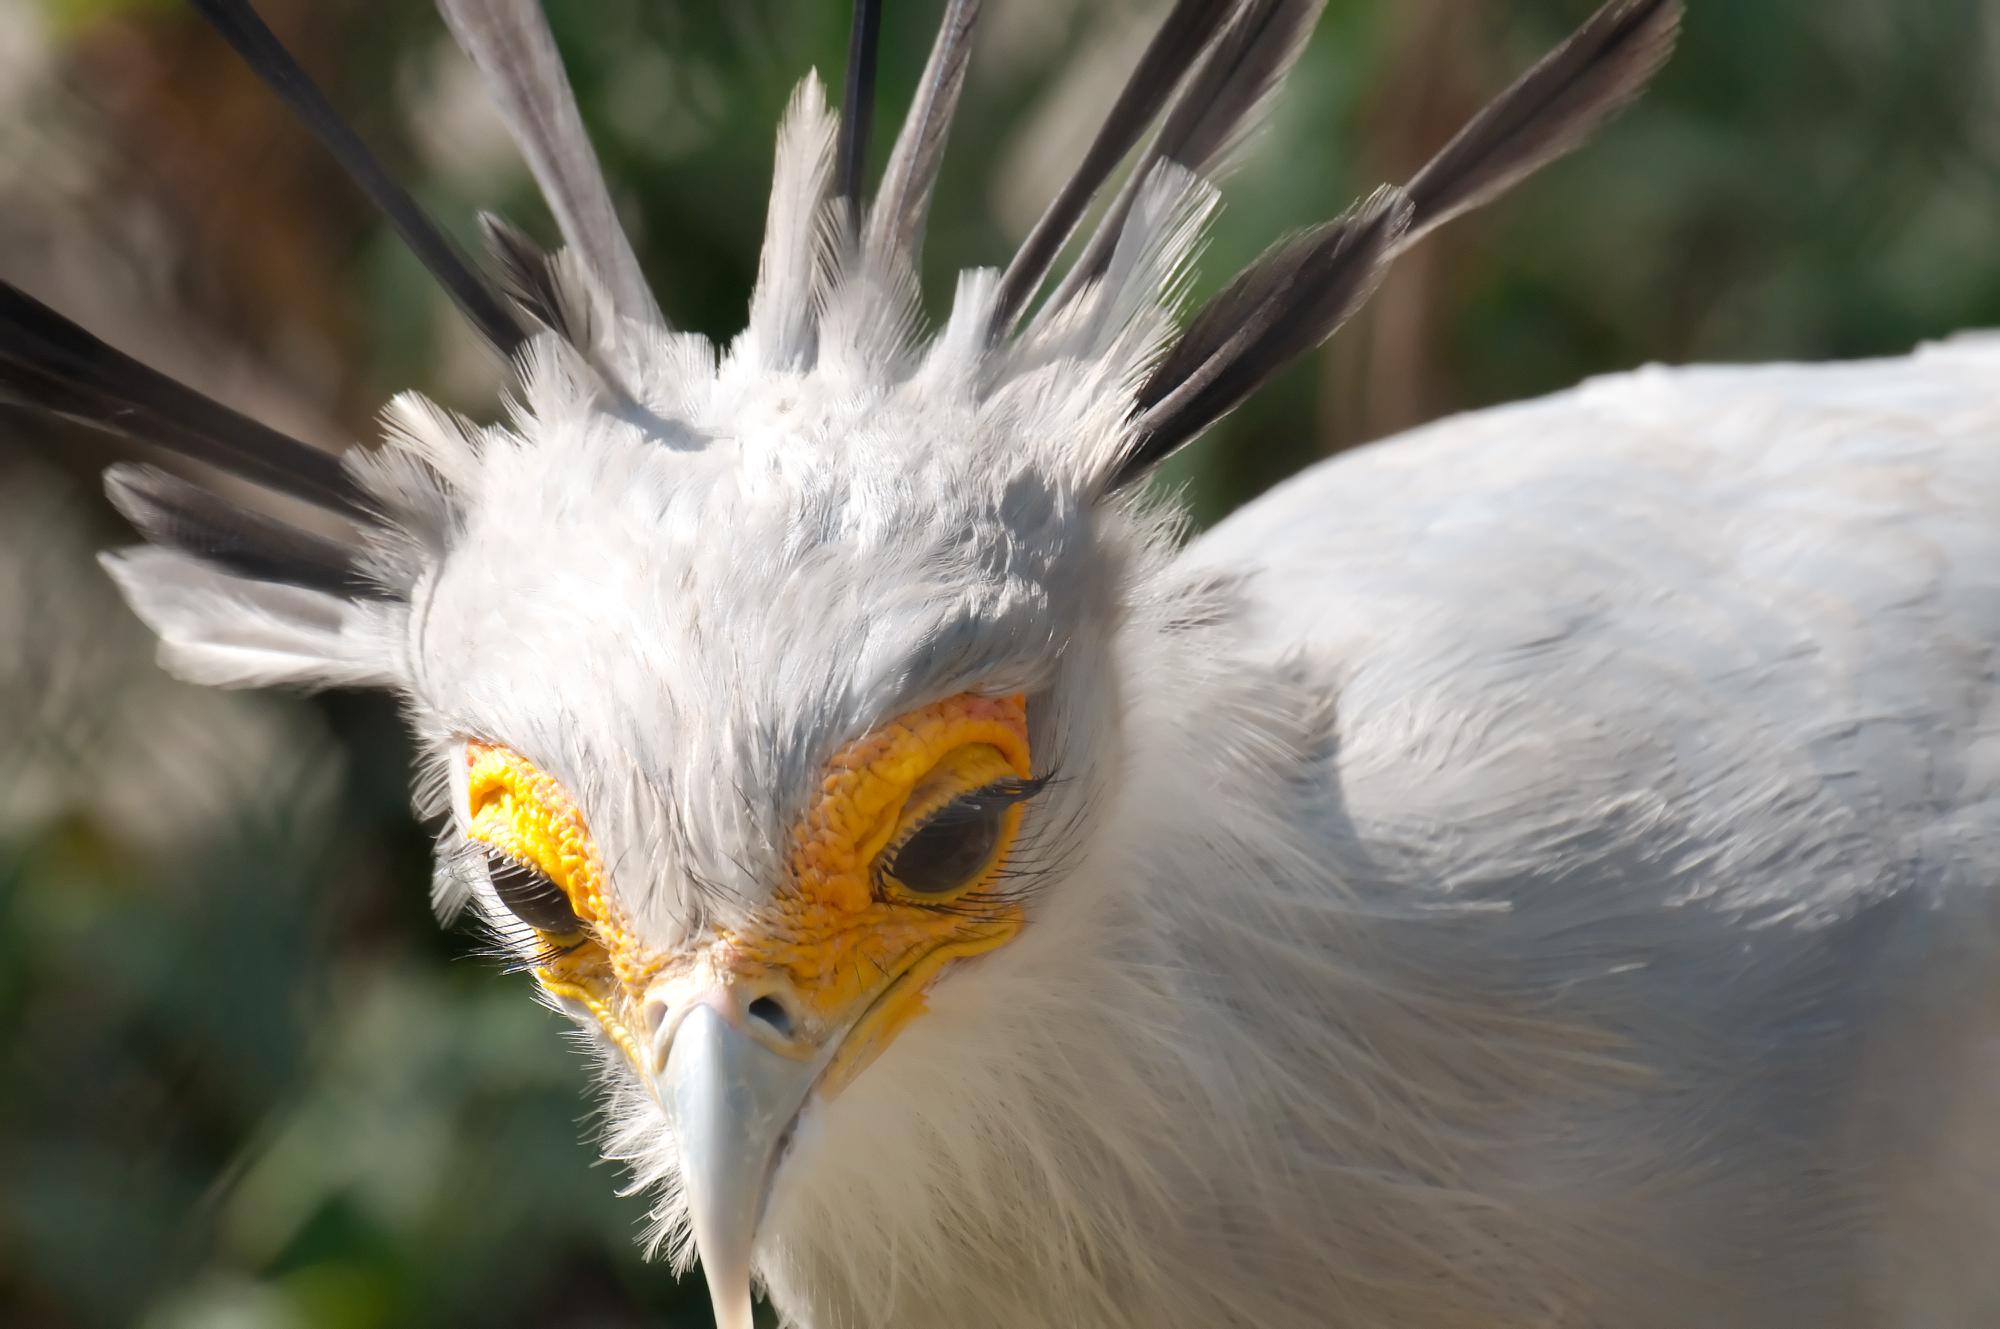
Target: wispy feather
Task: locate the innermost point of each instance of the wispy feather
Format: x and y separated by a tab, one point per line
234	632
563	294
1285	303
1189	30
782	306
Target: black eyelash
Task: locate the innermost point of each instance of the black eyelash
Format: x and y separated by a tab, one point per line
1045	852
548	951
975	803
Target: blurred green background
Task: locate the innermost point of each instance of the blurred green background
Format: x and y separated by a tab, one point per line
244	1079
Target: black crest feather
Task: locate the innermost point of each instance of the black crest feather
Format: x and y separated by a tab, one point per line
857	104
1221	100
1285	303
1549	111
51	364
1296	294
172	512
1188	31
239	25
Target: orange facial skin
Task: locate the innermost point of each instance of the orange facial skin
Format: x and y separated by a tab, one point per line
852	947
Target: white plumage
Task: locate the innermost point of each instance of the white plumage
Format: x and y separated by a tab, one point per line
1533	872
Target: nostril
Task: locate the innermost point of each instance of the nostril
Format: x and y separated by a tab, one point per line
771	1013
656	1014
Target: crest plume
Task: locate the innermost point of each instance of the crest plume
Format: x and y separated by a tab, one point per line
239	25
510	42
830	300
50	363
857	102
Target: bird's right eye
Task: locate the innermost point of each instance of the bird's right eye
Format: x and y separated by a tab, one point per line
531	895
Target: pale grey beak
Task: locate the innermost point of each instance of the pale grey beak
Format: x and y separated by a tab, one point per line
732	1102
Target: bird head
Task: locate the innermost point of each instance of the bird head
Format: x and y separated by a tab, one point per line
764	730
771	693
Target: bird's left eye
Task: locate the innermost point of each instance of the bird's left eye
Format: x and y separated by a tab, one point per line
531	896
955	845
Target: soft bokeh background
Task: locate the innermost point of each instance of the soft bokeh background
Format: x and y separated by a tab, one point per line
244	1080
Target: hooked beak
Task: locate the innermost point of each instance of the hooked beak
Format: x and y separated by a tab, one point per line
732	1086
732	1102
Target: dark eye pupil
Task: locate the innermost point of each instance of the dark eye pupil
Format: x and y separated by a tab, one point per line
946	851
531	896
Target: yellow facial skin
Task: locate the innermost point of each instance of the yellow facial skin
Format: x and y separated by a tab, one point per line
524	813
852	948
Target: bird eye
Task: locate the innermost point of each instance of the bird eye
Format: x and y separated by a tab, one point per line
531	896
955	845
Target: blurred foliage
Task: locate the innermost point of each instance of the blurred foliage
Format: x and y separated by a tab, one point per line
247	1081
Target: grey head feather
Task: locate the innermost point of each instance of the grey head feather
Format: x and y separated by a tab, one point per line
902	204
790	276
238	24
510	42
235	632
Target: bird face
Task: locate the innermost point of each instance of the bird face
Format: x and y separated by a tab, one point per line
745	802
895	874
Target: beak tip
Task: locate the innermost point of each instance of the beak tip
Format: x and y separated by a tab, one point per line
731	1103
729	1296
